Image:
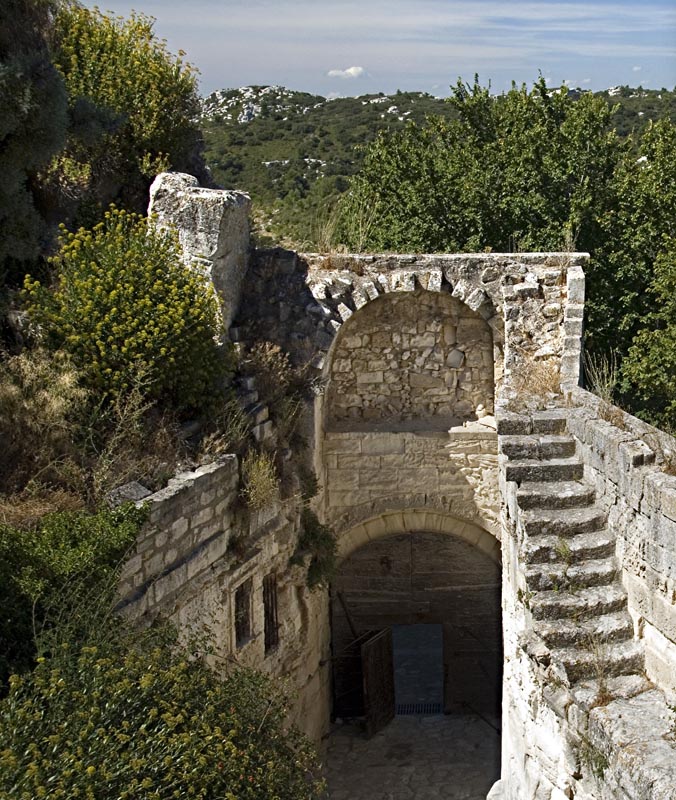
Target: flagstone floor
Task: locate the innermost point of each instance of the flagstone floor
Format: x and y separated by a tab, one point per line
454	757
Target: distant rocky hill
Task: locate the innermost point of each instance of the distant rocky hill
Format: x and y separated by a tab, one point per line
294	152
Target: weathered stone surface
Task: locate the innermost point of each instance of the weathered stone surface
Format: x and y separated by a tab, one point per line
213	230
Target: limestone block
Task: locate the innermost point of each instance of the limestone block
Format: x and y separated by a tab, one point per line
575	284
213	230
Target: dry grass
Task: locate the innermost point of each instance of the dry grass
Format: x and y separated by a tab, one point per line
40	400
260	479
229	432
25	509
537	383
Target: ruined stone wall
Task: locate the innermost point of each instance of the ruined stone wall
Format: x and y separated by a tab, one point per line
625	459
213	231
411	357
198	547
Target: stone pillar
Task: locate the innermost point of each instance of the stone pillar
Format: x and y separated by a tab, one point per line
213	229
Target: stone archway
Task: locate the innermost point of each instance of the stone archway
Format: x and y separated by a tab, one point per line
397	571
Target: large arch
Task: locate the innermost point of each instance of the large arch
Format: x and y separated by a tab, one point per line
403	570
393	523
410	360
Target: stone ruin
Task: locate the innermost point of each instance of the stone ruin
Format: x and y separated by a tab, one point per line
469	480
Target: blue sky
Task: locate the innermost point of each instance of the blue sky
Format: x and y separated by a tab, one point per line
351	47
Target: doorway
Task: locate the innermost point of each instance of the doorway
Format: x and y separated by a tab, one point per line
418	665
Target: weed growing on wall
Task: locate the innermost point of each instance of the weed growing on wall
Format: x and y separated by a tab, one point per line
123	303
260	480
316	542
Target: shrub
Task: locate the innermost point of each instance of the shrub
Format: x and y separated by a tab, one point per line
319	543
143	721
48	571
133	106
124	304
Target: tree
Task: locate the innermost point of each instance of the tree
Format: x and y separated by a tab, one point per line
650	368
32	129
527	170
133	108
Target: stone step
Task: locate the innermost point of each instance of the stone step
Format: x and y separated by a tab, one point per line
539	447
613	627
556	469
548	548
587	693
581	604
551	421
563	523
595	572
555	494
604	661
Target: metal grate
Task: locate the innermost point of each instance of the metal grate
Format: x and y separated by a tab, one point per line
409	709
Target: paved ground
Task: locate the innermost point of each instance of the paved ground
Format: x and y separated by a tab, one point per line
415	758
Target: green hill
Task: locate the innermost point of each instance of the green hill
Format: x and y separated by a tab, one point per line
294	152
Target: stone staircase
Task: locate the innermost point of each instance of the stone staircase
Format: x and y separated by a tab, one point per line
578	605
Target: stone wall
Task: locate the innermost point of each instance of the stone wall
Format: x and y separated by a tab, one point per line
198	547
411	357
367	473
626	459
532	302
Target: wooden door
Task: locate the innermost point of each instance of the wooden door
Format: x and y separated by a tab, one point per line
378	680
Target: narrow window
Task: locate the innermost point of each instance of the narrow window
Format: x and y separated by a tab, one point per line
243	613
270	606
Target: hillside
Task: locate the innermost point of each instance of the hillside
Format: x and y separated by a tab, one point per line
294	152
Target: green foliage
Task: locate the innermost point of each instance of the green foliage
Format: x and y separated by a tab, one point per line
32	128
650	368
296	156
527	170
634	226
49	571
133	107
124	304
316	542
144	720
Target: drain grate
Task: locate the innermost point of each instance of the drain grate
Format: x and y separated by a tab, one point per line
407	709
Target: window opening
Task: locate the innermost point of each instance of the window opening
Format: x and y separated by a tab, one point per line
270	607
243	613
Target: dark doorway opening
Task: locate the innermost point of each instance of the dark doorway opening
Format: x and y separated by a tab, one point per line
418	662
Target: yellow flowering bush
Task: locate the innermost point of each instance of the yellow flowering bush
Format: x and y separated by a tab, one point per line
144	721
123	305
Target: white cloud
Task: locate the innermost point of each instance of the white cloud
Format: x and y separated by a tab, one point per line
586	80
636	69
350	72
